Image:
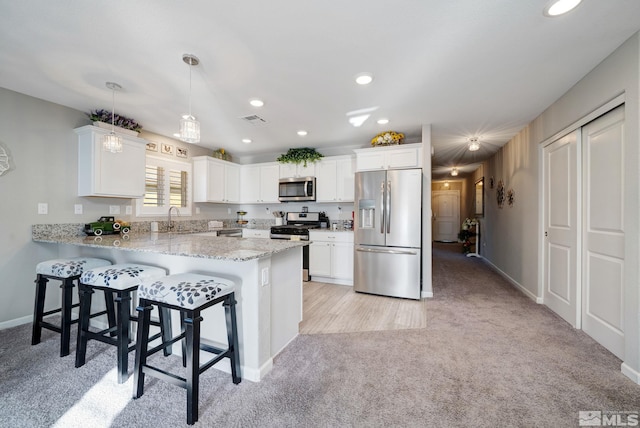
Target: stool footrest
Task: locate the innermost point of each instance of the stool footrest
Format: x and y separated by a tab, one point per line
165	376
55	311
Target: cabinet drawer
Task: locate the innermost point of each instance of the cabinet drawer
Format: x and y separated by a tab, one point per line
330	236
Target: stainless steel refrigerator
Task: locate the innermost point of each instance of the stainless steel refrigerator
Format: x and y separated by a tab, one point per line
388	233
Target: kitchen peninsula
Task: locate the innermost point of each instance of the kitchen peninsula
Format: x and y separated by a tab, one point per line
268	274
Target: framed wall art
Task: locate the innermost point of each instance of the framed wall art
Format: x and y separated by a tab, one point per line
181	152
167	149
152	146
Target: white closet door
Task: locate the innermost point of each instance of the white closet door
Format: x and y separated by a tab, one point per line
561	249
445	206
603	236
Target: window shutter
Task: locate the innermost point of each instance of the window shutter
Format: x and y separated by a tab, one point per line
154	186
177	188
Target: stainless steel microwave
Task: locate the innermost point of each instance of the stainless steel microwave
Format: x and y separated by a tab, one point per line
297	189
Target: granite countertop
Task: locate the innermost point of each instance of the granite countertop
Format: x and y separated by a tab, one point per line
180	244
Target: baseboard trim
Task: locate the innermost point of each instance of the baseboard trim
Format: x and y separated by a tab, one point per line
426	294
515	283
317	278
16	322
632	374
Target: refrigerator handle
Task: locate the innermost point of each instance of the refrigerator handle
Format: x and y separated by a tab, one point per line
382	206
389	207
386	251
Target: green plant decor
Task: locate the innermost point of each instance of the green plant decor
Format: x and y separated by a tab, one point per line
297	156
119	121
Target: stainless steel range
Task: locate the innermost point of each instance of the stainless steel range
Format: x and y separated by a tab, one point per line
297	228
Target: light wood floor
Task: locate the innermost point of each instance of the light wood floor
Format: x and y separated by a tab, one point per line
330	308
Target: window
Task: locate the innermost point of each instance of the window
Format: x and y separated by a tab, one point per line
167	184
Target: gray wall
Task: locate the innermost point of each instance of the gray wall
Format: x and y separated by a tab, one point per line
39	137
513	235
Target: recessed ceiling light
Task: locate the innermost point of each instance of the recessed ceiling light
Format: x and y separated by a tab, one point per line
256	102
383	121
364	78
302	133
246	140
560	7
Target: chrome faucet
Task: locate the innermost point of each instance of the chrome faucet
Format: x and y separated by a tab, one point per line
170	223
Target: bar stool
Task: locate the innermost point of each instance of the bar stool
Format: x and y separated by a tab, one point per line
190	294
67	271
118	281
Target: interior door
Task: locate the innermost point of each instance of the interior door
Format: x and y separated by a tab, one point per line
561	283
604	236
445	206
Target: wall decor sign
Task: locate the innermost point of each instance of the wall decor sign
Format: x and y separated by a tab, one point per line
167	149
152	146
181	152
4	160
511	196
500	194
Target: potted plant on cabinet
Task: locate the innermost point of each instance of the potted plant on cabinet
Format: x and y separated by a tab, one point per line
102	119
300	156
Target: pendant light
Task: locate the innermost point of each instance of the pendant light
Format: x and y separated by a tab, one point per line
474	145
112	142
454	172
189	126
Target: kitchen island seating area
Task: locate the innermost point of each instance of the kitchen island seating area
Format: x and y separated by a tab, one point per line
189	294
68	272
118	282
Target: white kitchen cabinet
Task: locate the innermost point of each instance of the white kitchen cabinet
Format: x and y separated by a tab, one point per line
391	157
288	170
331	256
106	174
215	180
335	179
260	183
256	233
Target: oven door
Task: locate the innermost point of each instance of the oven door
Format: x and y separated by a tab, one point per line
297	189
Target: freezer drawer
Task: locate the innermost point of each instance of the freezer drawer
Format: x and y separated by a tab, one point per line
387	271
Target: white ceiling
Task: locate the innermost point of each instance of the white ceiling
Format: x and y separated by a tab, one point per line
467	67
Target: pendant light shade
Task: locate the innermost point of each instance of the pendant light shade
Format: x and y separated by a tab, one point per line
189	126
474	145
112	142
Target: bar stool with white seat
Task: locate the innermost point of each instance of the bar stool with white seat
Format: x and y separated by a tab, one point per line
120	281
190	294
67	271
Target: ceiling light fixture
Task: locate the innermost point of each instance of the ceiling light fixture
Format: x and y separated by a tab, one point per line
302	133
256	102
364	78
383	121
560	7
189	126
246	140
474	145
112	142
454	172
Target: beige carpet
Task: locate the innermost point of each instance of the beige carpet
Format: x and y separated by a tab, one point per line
488	357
